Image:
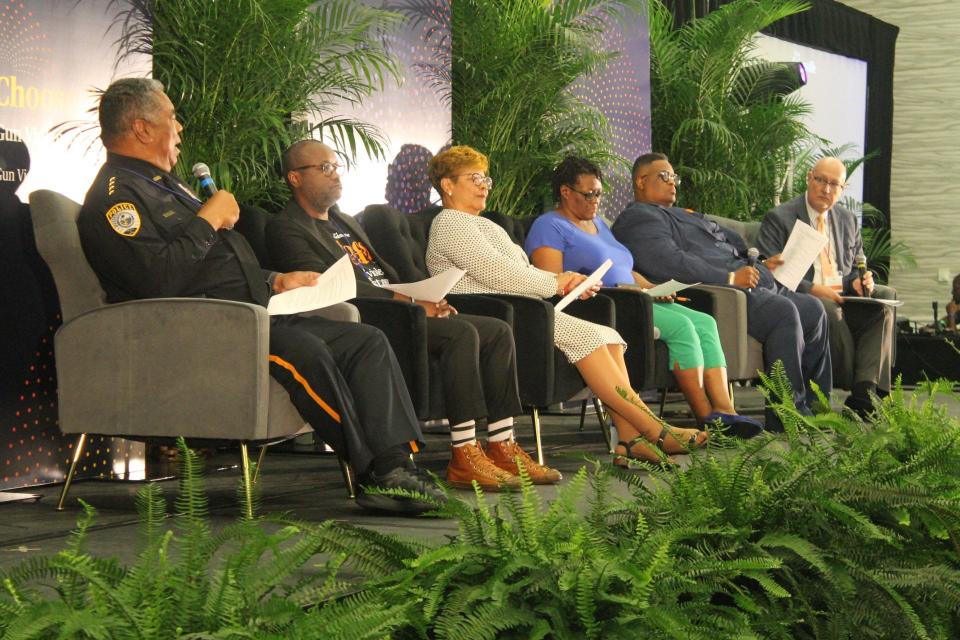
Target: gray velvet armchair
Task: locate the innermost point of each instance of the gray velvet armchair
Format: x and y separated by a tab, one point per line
158	368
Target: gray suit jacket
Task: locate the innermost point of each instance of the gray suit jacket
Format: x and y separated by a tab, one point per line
844	232
296	243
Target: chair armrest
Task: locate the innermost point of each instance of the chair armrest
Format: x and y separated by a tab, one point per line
533	335
342	312
599	309
481	305
165	367
728	306
634	317
405	325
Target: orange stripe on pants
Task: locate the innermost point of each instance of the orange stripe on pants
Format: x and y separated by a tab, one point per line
306	385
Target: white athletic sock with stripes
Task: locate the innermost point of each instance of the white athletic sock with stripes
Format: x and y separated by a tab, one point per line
500	430
463	433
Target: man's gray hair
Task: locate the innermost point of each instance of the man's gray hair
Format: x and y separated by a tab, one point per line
124	101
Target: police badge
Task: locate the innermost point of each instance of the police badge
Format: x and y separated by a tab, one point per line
124	219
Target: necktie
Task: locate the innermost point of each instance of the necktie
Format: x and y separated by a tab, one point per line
827	270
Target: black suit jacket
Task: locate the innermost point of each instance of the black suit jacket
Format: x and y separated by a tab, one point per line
297	243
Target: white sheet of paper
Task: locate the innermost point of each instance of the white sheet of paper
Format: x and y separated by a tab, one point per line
591	280
668	288
336	284
432	289
883	301
803	247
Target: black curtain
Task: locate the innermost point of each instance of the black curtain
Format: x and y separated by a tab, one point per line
837	28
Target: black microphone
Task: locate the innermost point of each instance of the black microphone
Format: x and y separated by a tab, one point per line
202	173
861	261
753	254
936	318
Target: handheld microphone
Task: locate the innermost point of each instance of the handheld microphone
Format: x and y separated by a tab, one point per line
862	270
753	254
936	318
202	173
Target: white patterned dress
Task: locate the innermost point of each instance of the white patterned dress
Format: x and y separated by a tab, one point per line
495	264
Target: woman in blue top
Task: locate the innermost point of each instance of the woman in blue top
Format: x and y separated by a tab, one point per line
573	238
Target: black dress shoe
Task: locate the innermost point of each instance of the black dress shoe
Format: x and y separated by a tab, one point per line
863	407
400	478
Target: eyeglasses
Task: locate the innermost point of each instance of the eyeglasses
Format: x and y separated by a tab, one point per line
589	196
668	177
326	168
829	184
478	179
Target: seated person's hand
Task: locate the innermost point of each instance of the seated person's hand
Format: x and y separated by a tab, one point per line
294	280
591	292
773	262
221	210
746	277
826	293
567	281
670	298
867	280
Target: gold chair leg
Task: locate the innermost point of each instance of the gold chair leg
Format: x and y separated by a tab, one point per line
535	414
256	470
730	391
583	414
347	477
247	483
77	451
604	426
663	402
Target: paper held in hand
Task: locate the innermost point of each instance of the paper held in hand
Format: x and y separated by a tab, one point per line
668	288
336	284
432	289
803	247
591	280
880	301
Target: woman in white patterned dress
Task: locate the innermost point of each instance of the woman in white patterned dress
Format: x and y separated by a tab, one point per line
459	237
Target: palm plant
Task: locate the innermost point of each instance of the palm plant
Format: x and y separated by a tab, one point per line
514	62
246	76
731	140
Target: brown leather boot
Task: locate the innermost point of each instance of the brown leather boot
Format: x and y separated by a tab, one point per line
469	463
505	453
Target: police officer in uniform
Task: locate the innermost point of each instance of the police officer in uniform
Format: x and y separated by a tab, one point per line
147	235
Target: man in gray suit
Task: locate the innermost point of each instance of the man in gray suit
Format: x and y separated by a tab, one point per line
861	334
670	242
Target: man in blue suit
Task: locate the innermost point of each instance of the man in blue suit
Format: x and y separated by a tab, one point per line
670	242
861	331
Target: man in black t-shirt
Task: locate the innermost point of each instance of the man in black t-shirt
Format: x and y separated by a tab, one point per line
477	354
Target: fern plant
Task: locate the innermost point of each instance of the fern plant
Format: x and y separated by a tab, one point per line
244	581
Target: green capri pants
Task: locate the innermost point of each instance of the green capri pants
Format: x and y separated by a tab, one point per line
691	336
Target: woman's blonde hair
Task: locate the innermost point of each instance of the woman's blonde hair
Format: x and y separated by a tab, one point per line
448	163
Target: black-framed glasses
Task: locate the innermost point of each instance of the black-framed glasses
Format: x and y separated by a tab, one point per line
829	184
326	168
589	196
478	179
668	177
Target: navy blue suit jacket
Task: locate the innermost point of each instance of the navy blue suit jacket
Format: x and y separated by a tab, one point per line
670	242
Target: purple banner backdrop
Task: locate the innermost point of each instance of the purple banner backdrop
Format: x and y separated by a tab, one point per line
51	55
622	93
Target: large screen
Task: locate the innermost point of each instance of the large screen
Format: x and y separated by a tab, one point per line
836	89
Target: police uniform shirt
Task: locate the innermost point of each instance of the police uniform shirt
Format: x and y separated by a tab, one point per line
141	235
